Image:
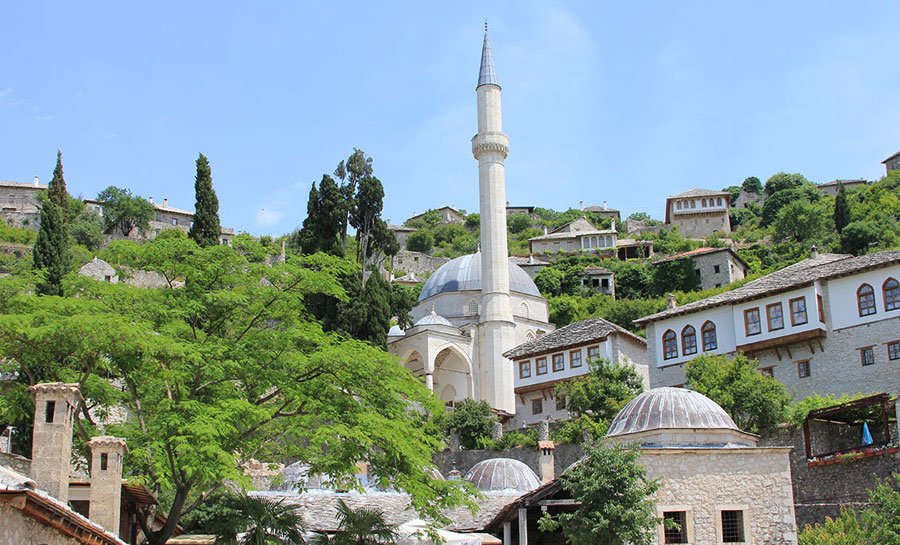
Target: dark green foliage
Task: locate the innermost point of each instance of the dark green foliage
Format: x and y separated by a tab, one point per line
841	209
429	218
523	439
754	401
858	236
799	221
642	216
876	524
206	228
781	181
403	299
56	189
602	392
734	191
360	526
473	221
366	316
471	420
633	280
365	215
259	521
676	275
51	250
751	184
741	216
420	241
549	281
351	173
85	226
566	309
614	500
124	212
670	241
516	223
778	200
325	210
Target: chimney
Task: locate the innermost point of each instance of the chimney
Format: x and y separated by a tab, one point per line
151	200
165	202
813	252
37	181
54	413
613	224
546	446
670	301
604	205
107	454
581	205
545	229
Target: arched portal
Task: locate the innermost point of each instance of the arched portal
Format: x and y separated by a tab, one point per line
452	375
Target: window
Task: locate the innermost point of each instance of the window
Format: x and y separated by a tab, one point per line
675	527
472	309
767	372
104	461
820	307
575	359
698	273
865	299
559	362
537	406
775	316
107	278
174	221
541	364
523	310
678	205
693	204
867	355
733	527
670	345
689	340
894	350
717	269
719	201
798	311
561	403
703	203
710	341
803	370
751	322
891	291
49	410
593	353
524	369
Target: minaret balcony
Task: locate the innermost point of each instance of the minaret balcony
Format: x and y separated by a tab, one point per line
490	142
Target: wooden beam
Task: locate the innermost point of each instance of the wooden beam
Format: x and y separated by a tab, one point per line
523	526
562	502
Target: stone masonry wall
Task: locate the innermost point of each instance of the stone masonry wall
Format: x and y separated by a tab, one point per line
20	528
17	463
702	225
463	460
416	262
709	278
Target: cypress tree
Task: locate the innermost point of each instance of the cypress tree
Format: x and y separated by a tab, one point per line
206	228
841	209
51	249
56	189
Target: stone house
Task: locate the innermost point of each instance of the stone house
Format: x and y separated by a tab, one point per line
561	355
831	188
530	264
99	270
826	325
599	279
448	214
527	210
715	267
18	202
401	233
578	235
746	198
891	163
417	263
165	217
605	212
699	213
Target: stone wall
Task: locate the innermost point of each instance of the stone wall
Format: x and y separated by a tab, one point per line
20	528
463	460
416	262
17	463
821	491
729	271
702	225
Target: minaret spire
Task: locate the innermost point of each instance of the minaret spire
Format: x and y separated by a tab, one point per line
488	74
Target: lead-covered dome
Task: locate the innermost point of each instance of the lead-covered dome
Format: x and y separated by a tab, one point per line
670	408
503	475
464	274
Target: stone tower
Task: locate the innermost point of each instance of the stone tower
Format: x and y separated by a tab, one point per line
107	455
496	328
51	450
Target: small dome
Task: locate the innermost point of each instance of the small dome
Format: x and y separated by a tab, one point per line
464	274
296	478
670	408
396	331
503	475
432	319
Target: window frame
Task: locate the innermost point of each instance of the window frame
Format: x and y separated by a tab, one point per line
767	371
538	366
741	525
684	535
801	300
893	350
801	364
561	360
688	332
867	355
572	359
866	293
707	327
820	307
537	403
666	339
777	306
748	312
596	353
525	369
892	303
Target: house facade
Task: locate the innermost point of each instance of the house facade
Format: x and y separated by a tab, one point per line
578	235
448	214
831	188
699	213
561	355
715	267
829	325
18	202
891	163
164	217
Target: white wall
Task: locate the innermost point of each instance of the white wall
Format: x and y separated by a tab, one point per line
721	316
842	297
812	321
568	372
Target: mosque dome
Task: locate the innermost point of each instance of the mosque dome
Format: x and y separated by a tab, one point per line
503	475
670	408
396	331
295	478
432	318
464	274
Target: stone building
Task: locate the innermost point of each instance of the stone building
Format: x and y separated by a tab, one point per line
699	213
476	307
891	163
605	212
530	264
831	188
714	267
826	325
165	217
447	214
99	270
19	205
578	235
599	279
746	198
401	233
527	210
562	355
416	263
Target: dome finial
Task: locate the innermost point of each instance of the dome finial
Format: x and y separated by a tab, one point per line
433	313
485	25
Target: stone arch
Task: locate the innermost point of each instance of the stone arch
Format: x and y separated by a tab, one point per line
448	394
414	362
523	309
452	367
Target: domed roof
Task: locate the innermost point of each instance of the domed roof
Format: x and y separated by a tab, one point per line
432	318
295	478
396	331
502	475
464	274
670	408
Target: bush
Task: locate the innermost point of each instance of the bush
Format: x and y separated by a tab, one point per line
516	223
420	241
472	420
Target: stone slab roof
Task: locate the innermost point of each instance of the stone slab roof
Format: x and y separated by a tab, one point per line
702	251
319	508
821	267
574	334
524	260
845	182
700	193
891	157
24	185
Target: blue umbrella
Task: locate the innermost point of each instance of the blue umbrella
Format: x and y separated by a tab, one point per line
867	437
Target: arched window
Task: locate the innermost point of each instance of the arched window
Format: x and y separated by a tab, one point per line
523	310
865	299
472	308
689	340
710	341
703	203
891	291
670	345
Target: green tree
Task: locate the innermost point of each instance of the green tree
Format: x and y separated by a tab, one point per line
365	217
471	420
781	181
846	529
799	221
262	521
877	524
751	184
549	281
403	299
602	392
124	212
841	209
633	280
675	275
420	241
351	172
360	526
734	191
518	222
51	249
224	369
206	228
782	198
325	210
614	500
56	189
858	236
85	226
754	401
366	313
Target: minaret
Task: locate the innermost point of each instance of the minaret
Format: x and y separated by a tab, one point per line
496	327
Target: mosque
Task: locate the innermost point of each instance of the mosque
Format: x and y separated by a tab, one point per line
478	306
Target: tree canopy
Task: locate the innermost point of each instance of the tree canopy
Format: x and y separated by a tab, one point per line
206	228
124	212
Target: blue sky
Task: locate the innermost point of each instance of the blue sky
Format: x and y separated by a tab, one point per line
623	102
